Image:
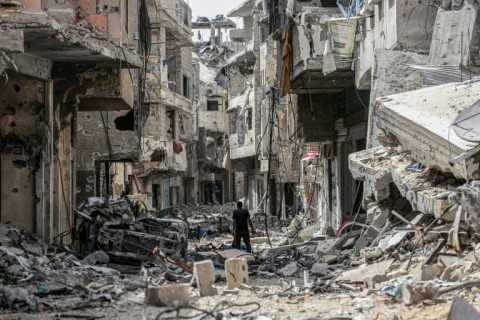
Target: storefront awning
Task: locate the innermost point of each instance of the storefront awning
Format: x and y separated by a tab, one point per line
310	155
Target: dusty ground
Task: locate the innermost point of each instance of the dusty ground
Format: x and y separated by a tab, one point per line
333	305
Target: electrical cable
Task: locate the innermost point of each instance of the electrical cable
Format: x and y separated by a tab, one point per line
408	19
271	123
215	312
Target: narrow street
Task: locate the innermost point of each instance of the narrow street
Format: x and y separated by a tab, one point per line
241	159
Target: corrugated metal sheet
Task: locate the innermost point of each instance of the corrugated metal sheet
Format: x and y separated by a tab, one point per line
437	75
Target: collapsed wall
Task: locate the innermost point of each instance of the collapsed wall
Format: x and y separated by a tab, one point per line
393	73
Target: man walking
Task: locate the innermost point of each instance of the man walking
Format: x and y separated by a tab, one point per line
241	220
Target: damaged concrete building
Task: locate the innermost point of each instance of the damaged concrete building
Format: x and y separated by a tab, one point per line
210	85
67	78
167	168
422	135
261	123
212	146
338	61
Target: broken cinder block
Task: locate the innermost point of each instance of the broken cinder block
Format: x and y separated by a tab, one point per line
169	295
237	273
205	276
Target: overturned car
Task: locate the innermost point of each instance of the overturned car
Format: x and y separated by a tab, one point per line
117	228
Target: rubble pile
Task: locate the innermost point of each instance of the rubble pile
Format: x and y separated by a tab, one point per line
204	220
38	277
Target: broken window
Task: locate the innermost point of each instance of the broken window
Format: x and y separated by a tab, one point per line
212	105
186	87
181	124
159	155
157	197
170	123
249	119
126	122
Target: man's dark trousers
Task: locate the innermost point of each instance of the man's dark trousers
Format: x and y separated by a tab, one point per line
246	239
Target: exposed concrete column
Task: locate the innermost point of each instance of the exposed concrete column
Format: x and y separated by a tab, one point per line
45	174
63	114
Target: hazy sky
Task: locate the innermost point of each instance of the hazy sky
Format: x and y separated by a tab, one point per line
210	8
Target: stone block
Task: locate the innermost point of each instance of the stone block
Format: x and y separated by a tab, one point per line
424	272
367	272
11	40
205	276
289	270
169	295
237	273
320	269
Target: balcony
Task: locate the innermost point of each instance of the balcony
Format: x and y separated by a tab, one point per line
103	90
159	156
163	95
175	16
53	36
240	150
310	42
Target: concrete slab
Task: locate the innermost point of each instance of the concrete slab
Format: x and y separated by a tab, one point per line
235	253
462	310
373	167
452	36
421	121
169	295
419	191
11	40
362	274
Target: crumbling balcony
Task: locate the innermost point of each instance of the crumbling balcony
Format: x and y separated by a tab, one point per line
35	42
322	59
240	150
164	96
175	16
162	155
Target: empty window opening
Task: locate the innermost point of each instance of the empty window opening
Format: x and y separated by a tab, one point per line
126	122
212	105
186	87
170	122
249	119
159	155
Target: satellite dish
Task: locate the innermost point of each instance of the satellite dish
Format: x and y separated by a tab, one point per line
467	124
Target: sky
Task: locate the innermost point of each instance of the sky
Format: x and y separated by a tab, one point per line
210	8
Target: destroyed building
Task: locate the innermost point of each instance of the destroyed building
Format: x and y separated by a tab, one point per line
260	153
421	149
215	177
69	75
350	129
167	168
329	52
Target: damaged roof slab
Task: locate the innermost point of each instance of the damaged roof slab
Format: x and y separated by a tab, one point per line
46	38
421	122
243	10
